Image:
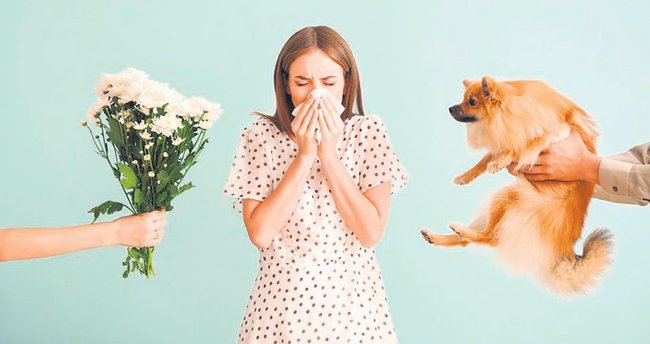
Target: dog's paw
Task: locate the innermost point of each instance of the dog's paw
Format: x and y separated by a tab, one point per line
427	235
495	166
457	228
463	179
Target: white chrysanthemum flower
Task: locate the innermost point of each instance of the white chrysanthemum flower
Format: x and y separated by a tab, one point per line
140	126
213	112
147	157
205	125
153	95
145	135
124	85
151	174
165	154
193	107
166	125
123	113
177	141
134	162
96	109
200	108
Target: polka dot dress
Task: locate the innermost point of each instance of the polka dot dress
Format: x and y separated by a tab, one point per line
316	283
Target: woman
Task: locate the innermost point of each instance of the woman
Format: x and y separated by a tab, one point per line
316	208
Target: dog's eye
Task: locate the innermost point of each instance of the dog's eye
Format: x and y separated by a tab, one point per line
472	101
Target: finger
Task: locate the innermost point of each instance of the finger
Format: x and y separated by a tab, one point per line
159	224
155	242
159	215
151	243
333	116
155	235
306	107
328	103
330	121
537	177
311	129
154	215
151	236
321	123
304	121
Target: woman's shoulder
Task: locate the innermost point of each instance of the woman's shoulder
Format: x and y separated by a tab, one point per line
262	126
366	123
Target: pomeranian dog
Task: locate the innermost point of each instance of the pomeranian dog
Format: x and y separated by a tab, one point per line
533	226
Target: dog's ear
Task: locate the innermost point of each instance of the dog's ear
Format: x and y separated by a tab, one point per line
489	87
466	83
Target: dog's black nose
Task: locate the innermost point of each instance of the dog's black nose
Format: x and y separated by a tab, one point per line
454	109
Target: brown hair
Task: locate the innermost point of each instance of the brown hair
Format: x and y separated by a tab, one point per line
331	43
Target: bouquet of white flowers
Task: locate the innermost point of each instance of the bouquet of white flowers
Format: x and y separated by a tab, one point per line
150	135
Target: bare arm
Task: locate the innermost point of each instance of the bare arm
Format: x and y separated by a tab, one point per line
366	214
134	231
264	219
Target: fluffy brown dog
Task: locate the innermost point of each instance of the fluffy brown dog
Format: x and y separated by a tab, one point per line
532	225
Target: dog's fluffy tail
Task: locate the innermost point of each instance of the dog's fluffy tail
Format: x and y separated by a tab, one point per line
579	274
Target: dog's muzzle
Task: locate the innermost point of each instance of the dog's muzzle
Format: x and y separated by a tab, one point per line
457	113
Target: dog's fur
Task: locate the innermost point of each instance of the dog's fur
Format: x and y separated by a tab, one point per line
532	225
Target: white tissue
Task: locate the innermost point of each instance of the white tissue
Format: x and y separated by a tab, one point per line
318	93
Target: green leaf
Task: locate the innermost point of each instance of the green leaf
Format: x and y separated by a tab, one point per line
162	197
115	131
108	207
184	188
129	180
163	178
137	197
134	253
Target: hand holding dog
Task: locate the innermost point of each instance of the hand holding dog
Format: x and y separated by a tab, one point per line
567	160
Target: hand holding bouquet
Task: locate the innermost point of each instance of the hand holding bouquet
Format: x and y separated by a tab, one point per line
150	136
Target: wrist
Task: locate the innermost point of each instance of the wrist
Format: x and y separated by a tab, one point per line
306	159
109	233
326	152
593	169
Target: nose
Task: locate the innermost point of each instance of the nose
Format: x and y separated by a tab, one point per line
454	109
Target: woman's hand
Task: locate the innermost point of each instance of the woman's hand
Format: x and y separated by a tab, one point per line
330	124
304	128
143	230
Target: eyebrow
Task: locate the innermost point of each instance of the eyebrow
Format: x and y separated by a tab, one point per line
306	78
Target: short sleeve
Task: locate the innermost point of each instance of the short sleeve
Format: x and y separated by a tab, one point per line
379	163
250	173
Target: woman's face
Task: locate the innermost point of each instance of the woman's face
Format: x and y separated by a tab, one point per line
314	69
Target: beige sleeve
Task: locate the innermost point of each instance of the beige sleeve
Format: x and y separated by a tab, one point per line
625	178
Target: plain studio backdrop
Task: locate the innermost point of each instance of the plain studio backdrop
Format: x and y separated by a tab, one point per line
412	57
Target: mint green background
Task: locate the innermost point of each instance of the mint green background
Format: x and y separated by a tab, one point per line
412	56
